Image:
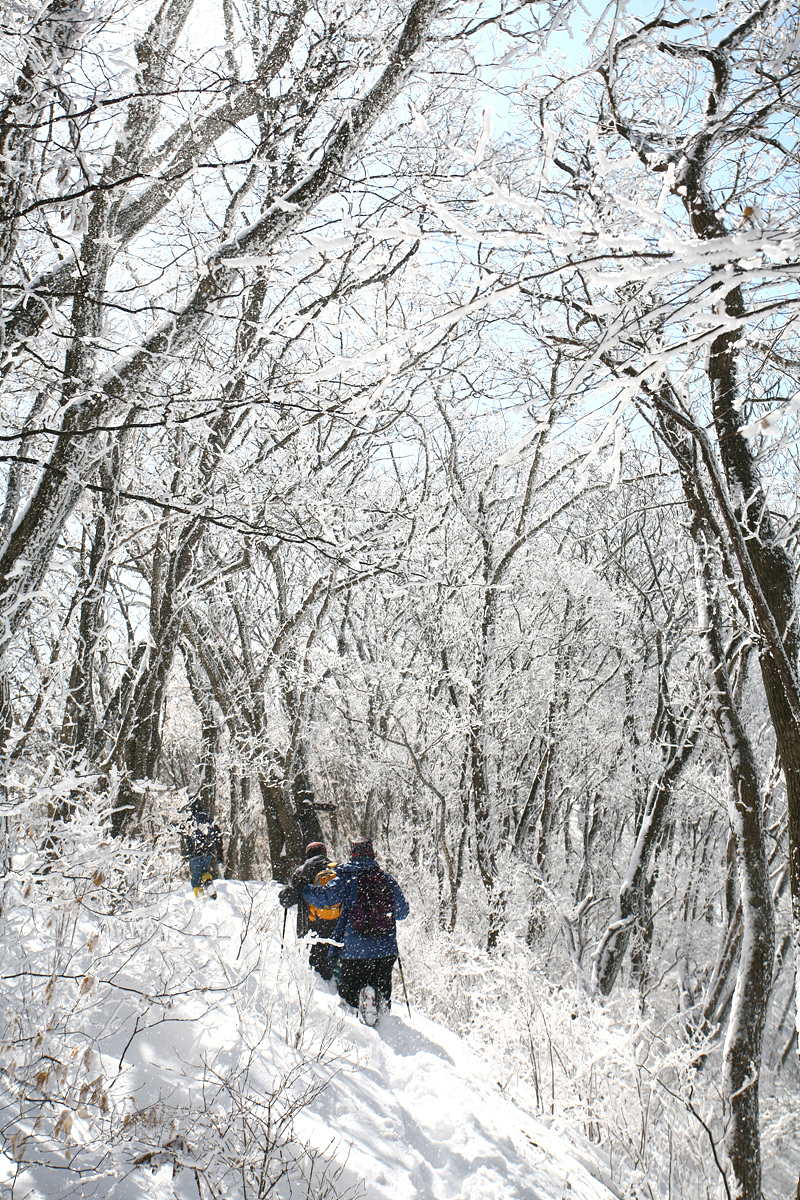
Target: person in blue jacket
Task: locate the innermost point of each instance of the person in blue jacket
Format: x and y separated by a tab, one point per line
372	903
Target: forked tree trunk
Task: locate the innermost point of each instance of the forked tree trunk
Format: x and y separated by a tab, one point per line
677	750
743	519
752	926
768	571
744	1041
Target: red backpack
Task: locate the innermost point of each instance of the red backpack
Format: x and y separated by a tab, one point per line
372	913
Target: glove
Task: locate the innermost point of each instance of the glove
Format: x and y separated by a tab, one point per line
287	897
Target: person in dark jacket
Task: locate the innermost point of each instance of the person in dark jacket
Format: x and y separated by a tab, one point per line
202	845
368	944
318	920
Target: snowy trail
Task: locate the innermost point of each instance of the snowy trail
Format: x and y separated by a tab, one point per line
201	1026
424	1123
418	1118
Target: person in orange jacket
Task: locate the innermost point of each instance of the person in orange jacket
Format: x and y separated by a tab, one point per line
318	920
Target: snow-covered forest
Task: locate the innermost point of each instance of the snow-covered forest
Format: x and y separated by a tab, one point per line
398	439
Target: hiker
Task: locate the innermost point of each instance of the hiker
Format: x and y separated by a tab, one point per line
372	903
318	920
202	844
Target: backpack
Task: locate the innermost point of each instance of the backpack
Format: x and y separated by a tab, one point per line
372	914
203	839
333	911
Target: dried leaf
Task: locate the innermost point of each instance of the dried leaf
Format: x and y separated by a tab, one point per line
63	1127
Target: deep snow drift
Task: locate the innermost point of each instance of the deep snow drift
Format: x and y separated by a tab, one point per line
186	1052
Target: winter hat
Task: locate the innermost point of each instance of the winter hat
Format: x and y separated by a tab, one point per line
315	848
362	848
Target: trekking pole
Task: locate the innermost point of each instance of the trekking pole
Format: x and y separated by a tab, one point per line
283	931
403	980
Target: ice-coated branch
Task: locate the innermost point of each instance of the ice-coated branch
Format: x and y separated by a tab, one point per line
28	552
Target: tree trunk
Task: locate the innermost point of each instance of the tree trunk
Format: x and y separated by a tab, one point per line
744	1041
210	732
752	924
767	567
286	847
240	862
642	940
80	722
54	38
302	793
677	750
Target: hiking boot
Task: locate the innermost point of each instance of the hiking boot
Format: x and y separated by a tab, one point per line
368	1005
198	891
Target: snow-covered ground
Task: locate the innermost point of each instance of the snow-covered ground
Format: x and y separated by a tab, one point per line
185	1051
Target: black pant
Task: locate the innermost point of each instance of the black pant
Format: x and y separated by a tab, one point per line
318	959
318	954
358	972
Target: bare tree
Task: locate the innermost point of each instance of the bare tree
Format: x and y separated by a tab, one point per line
97	392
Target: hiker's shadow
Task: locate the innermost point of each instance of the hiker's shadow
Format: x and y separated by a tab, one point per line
405	1040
